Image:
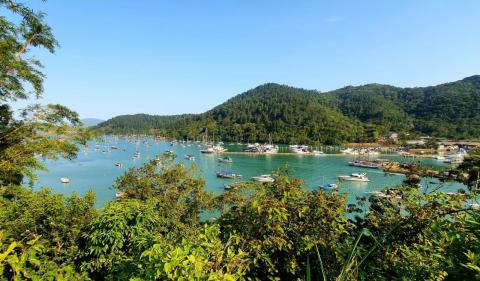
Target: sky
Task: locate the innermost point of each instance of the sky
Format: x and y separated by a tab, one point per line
186	56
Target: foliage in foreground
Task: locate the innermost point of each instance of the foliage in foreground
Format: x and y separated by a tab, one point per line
272	231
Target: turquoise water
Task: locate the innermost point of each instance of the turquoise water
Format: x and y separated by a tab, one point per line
96	170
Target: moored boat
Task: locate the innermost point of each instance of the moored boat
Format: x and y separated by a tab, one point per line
228	175
225	159
360	177
64	180
329	186
366	164
263	178
190	157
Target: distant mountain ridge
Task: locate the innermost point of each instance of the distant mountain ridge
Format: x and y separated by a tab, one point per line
353	113
88	122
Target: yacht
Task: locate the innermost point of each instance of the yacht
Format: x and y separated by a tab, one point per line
190	157
299	149
64	180
366	164
349	151
329	186
225	159
228	175
118	164
252	148
263	178
318	153
361	177
120	194
439	157
219	148
270	149
207	150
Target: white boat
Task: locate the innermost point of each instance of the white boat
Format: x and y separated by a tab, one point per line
270	149
329	186
318	153
252	148
299	149
361	177
439	157
366	164
263	178
190	157
225	159
64	180
120	194
207	150
219	148
118	165
349	151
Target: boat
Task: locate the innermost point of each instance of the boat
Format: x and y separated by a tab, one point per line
318	153
329	186
263	178
361	177
207	150
118	164
299	149
190	157
228	175
225	159
366	164
439	157
270	149
113	147
252	148
64	180
120	194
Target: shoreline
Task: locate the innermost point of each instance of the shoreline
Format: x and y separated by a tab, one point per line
323	155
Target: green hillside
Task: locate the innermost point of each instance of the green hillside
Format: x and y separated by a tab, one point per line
294	115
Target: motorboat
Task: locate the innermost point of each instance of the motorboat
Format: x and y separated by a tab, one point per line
118	164
263	178
439	157
360	177
226	159
120	194
190	157
207	150
252	148
299	149
270	149
228	175
366	164
64	180
329	186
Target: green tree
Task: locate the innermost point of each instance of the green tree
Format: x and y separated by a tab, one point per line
46	131
280	223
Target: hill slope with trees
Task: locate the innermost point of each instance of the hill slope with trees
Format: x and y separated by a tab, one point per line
295	115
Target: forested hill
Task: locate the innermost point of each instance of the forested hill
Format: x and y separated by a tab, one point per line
294	115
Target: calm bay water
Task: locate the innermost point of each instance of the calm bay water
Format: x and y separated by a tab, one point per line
96	170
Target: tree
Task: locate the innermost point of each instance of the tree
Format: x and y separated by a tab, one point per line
469	170
45	131
280	223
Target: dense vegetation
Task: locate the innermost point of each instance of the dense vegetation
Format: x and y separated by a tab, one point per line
292	115
271	231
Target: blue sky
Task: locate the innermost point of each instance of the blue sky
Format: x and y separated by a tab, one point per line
178	56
